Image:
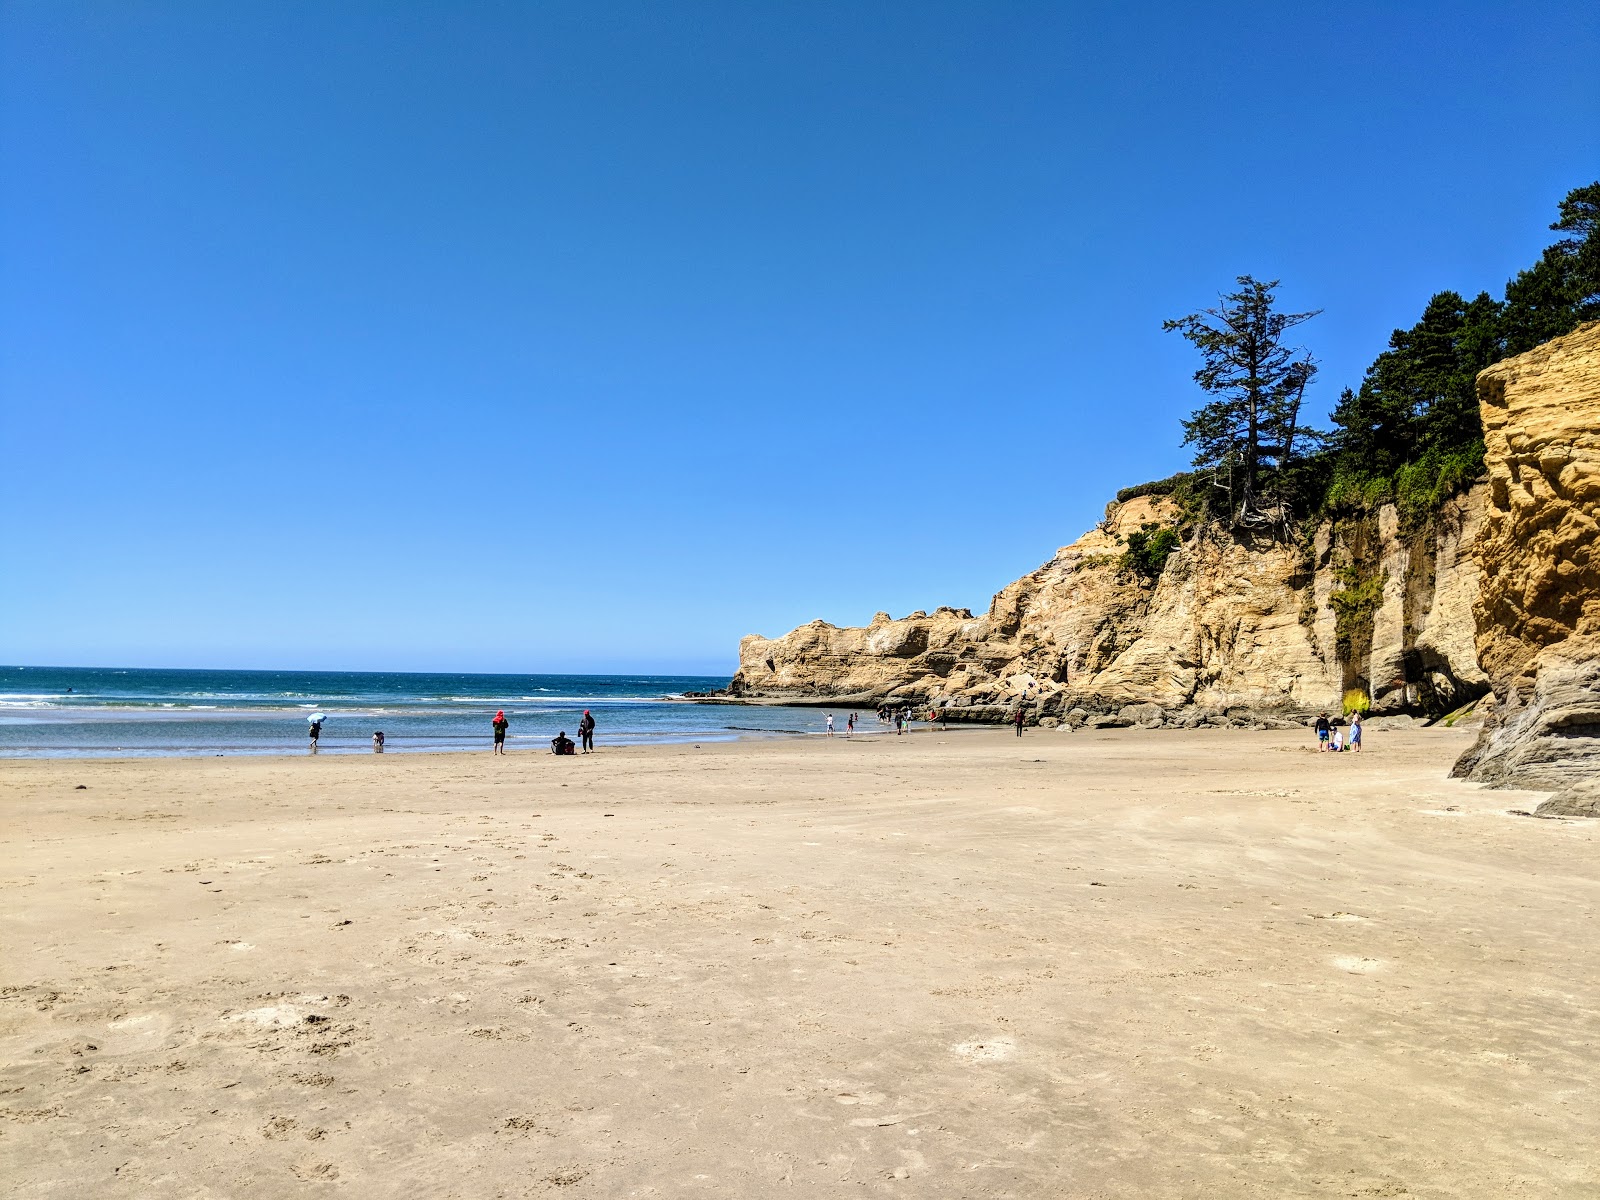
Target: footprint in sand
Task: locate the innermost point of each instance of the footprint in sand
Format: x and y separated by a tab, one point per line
1360	966
990	1050
859	1098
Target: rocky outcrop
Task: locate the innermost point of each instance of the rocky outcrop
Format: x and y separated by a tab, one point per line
1540	546
1231	623
1538	609
1550	738
1501	589
1580	800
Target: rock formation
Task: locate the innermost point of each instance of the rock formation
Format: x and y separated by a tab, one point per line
1231	622
1501	588
1538	609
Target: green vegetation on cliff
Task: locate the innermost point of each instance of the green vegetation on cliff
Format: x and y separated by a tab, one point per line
1409	435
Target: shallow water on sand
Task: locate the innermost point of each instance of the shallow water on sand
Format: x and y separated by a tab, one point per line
101	711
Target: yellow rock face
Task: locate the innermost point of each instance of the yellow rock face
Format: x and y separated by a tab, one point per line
1539	547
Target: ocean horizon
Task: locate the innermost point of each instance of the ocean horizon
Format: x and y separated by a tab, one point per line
100	712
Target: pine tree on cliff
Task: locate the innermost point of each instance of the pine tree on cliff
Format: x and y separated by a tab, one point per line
1246	436
1562	289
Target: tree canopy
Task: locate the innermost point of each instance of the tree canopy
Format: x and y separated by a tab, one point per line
1247	434
1410	432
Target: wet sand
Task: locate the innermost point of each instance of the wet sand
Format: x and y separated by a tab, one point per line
1088	965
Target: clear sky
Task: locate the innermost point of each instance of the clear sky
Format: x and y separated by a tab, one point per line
592	336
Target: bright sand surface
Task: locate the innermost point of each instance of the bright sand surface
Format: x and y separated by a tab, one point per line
1099	964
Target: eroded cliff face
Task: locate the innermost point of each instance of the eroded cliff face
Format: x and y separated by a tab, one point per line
1538	610
1230	623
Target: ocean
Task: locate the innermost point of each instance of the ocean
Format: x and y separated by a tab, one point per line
109	712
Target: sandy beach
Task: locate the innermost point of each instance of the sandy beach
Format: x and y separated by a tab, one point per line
1088	965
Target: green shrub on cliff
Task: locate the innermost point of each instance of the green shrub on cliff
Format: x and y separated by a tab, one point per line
1148	551
1156	487
1354	606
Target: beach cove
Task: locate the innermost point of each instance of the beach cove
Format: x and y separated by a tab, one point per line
1119	963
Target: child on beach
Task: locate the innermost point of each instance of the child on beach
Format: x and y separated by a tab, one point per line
830	724
377	742
1355	732
850	726
1322	733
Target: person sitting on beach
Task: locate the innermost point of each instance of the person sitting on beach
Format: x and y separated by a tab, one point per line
1323	729
562	744
1338	741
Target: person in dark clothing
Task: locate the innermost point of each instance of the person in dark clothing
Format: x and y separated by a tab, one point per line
1324	729
586	731
316	732
377	742
1018	720
500	727
562	744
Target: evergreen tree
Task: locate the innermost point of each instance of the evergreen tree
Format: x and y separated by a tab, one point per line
1246	436
1420	394
1563	287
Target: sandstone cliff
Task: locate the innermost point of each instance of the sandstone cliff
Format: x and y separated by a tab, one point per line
1501	589
1231	622
1538	611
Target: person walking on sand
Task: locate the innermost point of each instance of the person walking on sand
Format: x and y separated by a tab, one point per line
316	732
1323	729
899	724
586	731
830	724
1355	732
500	727
850	726
1018	718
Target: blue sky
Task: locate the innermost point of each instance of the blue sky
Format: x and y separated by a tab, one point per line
593	336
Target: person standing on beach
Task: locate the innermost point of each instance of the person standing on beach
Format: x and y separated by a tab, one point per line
586	731
316	732
1355	732
500	727
1323	729
1019	718
830	724
377	742
850	726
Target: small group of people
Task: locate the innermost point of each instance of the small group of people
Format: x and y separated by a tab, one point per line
900	717
849	725
560	744
1330	736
